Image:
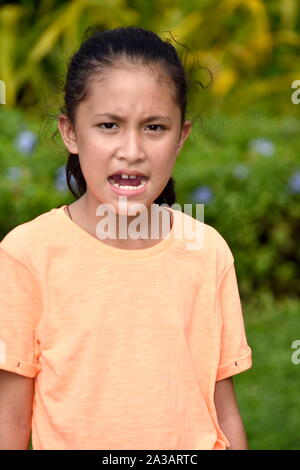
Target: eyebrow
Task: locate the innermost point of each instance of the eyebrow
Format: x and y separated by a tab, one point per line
120	118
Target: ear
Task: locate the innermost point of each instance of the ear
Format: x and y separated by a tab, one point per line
67	133
187	127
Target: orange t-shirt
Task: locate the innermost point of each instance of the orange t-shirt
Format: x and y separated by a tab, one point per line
125	345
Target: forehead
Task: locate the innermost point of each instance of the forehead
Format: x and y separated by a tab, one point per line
137	87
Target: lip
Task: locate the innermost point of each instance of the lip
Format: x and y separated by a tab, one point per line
127	192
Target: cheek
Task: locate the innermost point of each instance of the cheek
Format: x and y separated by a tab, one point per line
92	166
92	151
164	161
92	144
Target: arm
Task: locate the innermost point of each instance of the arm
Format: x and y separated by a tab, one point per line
16	397
228	413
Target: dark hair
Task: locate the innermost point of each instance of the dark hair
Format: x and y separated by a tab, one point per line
106	49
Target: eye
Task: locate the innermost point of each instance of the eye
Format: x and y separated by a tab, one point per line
157	125
112	123
105	124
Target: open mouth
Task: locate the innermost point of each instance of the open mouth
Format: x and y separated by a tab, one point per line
128	182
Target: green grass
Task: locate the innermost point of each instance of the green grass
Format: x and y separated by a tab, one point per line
268	393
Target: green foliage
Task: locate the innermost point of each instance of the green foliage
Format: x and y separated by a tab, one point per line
268	393
27	183
251	47
252	203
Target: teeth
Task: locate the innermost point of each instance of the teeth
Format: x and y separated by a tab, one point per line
129	187
127	176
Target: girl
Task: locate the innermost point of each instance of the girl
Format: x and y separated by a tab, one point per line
126	342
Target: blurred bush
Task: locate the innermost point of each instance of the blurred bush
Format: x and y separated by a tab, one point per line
247	176
30	168
250	46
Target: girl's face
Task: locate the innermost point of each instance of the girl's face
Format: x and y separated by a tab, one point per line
133	139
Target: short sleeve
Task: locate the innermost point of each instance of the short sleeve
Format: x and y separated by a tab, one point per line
19	312
235	353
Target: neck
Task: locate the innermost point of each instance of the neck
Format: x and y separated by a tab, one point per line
154	223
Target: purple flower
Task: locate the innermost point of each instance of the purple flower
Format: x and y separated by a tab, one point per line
74	184
26	141
14	172
262	146
203	194
241	171
294	183
60	179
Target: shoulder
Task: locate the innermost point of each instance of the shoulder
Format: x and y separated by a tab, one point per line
27	238
204	242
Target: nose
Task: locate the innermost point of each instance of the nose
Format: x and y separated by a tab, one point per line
131	146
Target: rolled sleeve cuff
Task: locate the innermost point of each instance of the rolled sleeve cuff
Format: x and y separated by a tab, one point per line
236	366
20	367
